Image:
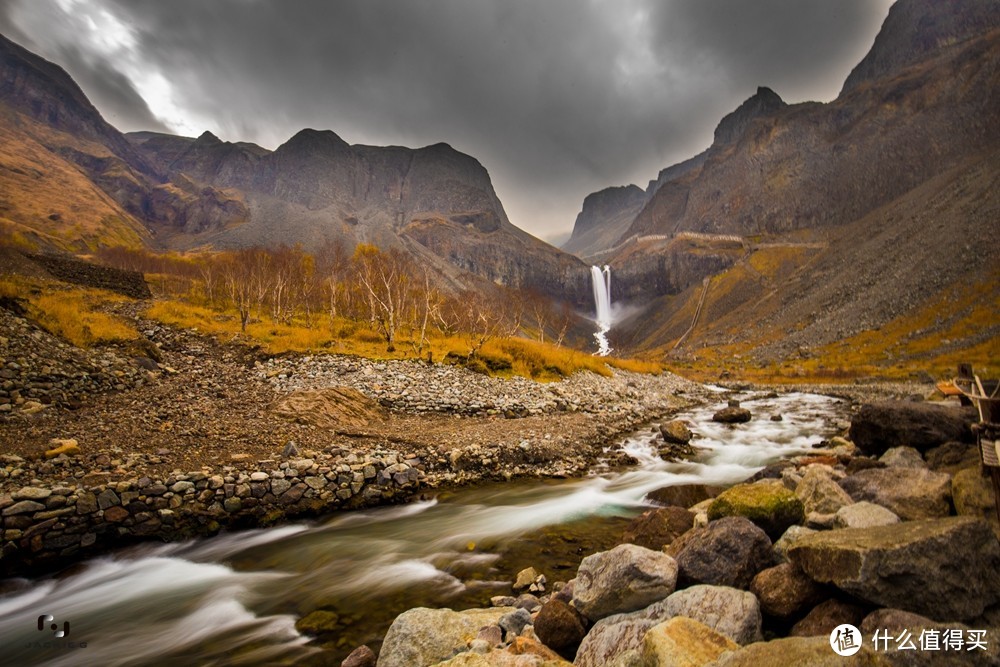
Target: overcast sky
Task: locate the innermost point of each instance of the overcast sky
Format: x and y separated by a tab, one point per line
557	98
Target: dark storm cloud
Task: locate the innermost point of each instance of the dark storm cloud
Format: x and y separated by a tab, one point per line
556	98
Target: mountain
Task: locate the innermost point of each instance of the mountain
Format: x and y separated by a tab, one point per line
70	180
817	222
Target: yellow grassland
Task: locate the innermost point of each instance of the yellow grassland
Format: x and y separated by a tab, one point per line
71	313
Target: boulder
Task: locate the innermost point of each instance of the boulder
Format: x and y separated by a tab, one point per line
911	493
612	639
880	426
784	591
826	616
953	456
657	527
727	552
423	636
942	568
675	432
684	495
683	641
973	495
624	579
793	534
819	493
795	652
732	415
864	515
903	457
729	611
897	623
767	503
560	627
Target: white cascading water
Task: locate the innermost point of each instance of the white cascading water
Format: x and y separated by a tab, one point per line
602	303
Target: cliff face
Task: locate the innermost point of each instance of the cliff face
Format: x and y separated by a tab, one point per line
604	217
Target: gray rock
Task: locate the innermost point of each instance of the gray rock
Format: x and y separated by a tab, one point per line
182	487
819	493
514	622
624	579
793	534
424	636
107	498
727	552
903	457
880	426
864	515
615	636
911	493
942	568
23	507
732	612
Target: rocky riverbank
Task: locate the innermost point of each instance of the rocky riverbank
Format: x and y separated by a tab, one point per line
177	435
891	529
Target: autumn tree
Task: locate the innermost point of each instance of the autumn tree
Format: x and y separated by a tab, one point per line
385	279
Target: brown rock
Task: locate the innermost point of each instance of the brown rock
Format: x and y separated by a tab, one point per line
116	514
684	495
826	616
655	528
362	656
683	641
785	591
675	431
560	627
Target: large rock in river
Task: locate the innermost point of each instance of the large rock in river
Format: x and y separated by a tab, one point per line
727	552
819	493
880	426
769	504
942	568
624	579
910	493
730	611
425	636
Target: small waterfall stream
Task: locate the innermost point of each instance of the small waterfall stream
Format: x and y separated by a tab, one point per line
234	599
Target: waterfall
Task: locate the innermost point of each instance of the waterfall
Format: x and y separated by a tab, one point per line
602	303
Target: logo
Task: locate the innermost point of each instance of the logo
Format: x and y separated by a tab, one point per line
845	639
48	618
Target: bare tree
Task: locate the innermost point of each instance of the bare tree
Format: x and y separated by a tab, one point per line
385	279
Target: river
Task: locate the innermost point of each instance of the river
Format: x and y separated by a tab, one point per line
234	599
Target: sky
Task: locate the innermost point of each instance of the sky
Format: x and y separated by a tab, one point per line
556	98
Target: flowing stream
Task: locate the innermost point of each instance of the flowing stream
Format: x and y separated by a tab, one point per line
234	599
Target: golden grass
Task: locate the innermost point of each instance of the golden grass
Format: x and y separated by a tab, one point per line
72	314
501	356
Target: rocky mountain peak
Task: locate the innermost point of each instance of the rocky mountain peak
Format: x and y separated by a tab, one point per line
915	29
310	141
207	139
732	125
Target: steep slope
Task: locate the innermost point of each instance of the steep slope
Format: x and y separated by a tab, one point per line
53	129
877	210
604	218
